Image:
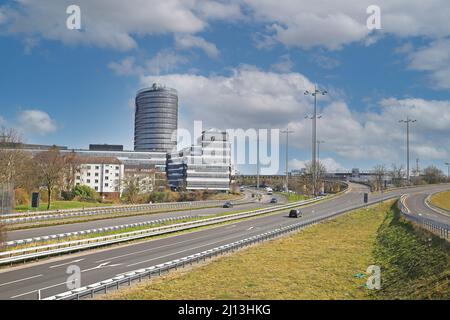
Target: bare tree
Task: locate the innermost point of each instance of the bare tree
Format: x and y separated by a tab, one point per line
320	172
397	174
13	160
131	188
380	172
71	167
432	174
50	167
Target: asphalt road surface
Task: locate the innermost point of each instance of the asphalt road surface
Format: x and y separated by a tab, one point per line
416	204
22	282
95	224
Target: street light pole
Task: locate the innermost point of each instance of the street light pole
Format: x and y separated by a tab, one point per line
314	134
257	161
407	121
287	156
318	149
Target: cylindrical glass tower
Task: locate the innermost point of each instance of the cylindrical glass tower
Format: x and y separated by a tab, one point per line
156	118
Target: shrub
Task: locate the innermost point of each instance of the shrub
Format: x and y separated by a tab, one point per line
21	197
85	193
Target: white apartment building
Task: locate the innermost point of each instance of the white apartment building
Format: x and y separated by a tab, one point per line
103	174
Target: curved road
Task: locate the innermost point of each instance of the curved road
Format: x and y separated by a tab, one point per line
416	204
50	276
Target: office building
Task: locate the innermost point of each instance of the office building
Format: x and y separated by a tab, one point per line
156	119
204	166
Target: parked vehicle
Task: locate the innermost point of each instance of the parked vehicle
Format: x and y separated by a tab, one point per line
228	204
274	200
295	213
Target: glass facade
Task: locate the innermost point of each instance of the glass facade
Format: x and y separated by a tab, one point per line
206	165
156	119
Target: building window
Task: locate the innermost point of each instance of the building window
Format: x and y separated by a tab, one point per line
96	174
97	167
106	185
78	178
106	171
96	188
88	180
96	181
89	167
88	174
106	178
117	167
117	174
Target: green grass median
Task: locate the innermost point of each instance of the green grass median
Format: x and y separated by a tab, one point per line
441	200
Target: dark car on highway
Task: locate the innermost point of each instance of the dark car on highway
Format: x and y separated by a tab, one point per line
274	200
295	213
228	204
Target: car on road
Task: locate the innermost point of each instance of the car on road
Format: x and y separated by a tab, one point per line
273	200
228	204
295	213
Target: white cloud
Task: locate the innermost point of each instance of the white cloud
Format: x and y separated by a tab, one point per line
252	98
333	24
284	65
125	67
164	61
113	23
188	42
248	97
36	121
434	58
330	164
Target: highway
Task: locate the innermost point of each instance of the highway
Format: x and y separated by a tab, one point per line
22	282
416	204
79	226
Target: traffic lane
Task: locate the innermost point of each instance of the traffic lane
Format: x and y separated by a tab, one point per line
52	277
110	262
79	226
416	205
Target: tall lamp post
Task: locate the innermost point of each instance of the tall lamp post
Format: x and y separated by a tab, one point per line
314	133
408	121
318	149
287	131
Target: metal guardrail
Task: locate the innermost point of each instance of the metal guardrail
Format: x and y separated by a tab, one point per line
59	236
83	244
158	270
438	228
71	213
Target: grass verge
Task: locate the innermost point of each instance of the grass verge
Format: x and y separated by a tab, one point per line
326	261
414	263
441	200
62	205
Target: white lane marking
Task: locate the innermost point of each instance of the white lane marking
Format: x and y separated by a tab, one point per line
163	246
102	265
41	289
63	264
174	253
229	227
250	228
24	279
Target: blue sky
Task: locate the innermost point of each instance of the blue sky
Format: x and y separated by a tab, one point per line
236	64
